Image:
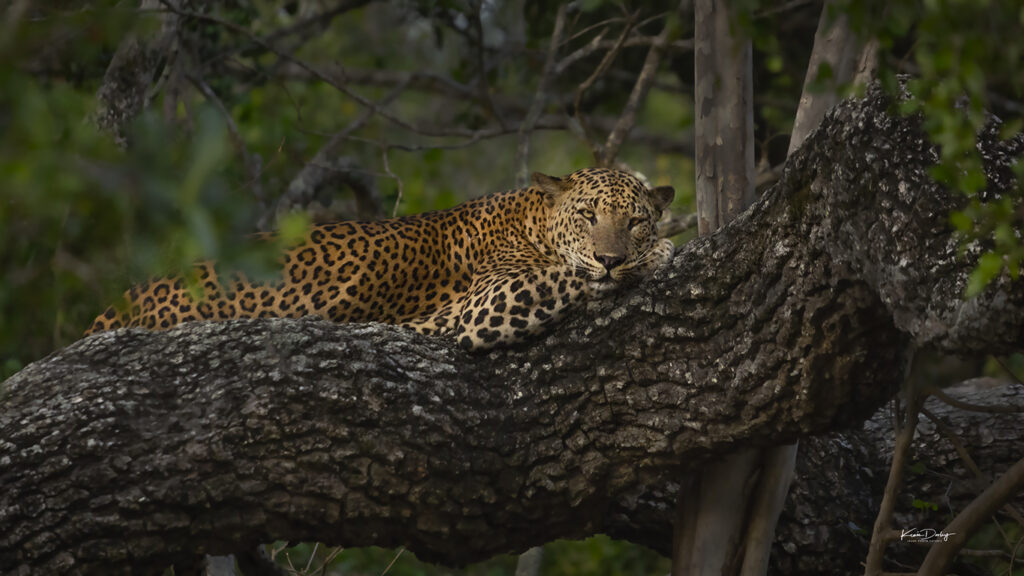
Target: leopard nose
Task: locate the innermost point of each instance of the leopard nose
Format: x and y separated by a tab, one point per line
609	261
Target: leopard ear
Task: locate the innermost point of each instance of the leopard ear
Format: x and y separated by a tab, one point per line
662	196
550	187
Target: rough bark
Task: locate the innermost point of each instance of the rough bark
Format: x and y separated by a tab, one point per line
131	450
723	499
827	519
128	81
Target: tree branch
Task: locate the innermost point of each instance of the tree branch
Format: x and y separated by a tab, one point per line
132	450
539	100
606	155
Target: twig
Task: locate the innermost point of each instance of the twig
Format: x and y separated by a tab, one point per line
1008	371
312	555
677	224
604	23
393	560
961	450
985	553
599	43
539	99
582	52
316	73
1013	553
791	5
627	119
387	169
319	20
940	558
481	64
547	122
253	163
330	556
597	73
422	81
302	187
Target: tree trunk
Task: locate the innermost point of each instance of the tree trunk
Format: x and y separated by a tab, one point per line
709	529
724	125
131	450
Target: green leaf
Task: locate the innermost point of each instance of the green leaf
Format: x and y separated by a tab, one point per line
292	228
973	180
989	266
961	221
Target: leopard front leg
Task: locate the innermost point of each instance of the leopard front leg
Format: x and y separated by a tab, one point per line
508	305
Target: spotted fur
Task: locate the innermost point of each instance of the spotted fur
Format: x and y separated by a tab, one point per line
489	271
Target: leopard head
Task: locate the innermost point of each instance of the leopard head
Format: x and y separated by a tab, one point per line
602	222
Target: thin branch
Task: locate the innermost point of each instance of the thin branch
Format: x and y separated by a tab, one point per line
985	553
606	62
628	117
604	23
302	28
539	99
1008	371
317	74
939	558
393	560
319	20
1013	555
548	122
253	162
387	169
587	49
791	5
677	224
481	63
417	80
883	531
598	43
961	450
302	187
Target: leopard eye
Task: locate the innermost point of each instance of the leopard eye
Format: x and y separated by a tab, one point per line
588	215
634	222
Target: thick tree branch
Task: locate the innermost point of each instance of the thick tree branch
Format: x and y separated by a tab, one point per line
131	450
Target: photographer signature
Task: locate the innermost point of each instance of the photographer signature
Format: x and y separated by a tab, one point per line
924	535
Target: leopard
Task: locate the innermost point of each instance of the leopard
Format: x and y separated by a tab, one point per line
491	271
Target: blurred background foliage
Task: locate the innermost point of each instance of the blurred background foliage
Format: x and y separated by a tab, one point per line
595	556
236	106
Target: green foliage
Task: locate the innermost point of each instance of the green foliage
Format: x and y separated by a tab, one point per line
601	556
1006	536
924	505
81	220
596	556
963	54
